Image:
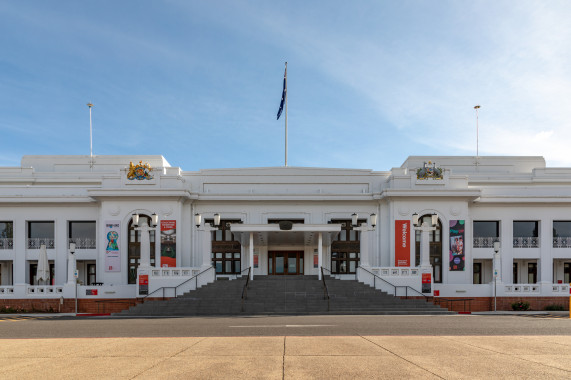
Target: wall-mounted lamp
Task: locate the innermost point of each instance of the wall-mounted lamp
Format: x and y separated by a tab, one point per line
354	219
373	220
72	248
154	220
197	220
496	246
217	219
434	220
415	219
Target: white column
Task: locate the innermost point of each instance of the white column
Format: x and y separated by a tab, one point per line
205	245
364	243
251	258
319	254
71	266
145	245
424	246
20	247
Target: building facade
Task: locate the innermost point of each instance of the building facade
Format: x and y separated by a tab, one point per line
351	223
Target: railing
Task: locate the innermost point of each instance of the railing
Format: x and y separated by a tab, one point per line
484	242
6	243
82	243
562	242
526	242
245	288
395	287
162	288
325	290
36	243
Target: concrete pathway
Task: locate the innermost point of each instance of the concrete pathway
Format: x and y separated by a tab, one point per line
289	357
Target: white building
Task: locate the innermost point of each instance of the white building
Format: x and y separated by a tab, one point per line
58	200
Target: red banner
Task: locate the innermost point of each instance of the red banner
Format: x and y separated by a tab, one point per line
402	243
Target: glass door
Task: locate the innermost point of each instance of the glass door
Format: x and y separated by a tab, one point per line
285	262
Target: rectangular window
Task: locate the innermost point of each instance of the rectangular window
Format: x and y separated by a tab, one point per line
514	274
526	229
83	234
561	234
41	233
532	273
526	234
6	235
567	273
486	233
477	273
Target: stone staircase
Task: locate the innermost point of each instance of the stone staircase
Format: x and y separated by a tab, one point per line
283	295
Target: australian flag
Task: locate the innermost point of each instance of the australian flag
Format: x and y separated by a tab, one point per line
284	94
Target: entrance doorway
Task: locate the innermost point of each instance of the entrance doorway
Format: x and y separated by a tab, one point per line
285	262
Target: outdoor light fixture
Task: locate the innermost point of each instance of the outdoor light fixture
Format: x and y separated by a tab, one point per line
434	219
72	248
217	219
197	220
354	218
135	220
373	220
415	220
496	246
154	219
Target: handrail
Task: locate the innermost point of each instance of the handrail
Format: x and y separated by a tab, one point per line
394	286
245	288
176	287
325	290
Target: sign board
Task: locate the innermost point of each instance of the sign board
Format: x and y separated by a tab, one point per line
168	243
143	284
112	249
427	282
75	273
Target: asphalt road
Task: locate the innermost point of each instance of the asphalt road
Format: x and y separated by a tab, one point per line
450	325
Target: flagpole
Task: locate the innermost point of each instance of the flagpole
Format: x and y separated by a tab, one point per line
286	114
90	138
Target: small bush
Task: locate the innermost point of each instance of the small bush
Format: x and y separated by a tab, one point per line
555	307
520	306
12	310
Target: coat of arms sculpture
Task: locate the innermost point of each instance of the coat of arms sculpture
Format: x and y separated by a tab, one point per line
429	171
139	172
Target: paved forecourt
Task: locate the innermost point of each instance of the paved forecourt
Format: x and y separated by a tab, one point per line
290	357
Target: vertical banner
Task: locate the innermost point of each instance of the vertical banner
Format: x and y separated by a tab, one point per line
256	259
168	243
112	251
457	259
402	243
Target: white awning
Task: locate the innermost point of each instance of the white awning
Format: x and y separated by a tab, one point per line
270	234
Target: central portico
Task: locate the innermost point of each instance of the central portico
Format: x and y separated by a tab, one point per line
285	241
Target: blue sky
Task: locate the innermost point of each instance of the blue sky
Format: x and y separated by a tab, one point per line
369	82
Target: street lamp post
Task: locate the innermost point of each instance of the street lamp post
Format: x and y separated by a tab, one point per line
496	269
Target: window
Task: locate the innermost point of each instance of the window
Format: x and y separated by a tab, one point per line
40	233
346	250
83	234
6	235
477	273
526	234
531	273
561	234
226	251
567	273
486	233
514	274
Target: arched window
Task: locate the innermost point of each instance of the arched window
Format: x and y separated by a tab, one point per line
435	239
134	255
